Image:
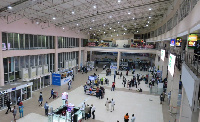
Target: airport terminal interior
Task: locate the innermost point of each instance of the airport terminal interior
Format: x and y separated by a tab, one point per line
99	60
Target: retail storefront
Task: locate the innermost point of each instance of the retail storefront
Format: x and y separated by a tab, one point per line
20	89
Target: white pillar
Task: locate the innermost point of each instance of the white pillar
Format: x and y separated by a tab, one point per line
118	59
85	57
79	54
1	63
90	55
56	54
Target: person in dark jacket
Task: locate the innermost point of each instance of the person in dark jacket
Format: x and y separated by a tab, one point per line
8	105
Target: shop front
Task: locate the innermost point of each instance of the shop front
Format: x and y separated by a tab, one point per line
41	82
19	90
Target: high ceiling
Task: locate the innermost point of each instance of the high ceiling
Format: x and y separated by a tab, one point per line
97	17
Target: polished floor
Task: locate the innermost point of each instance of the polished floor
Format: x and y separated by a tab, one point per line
145	106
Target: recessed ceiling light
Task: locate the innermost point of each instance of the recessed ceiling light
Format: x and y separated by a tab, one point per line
94	6
63	28
118	22
137	31
114	30
110	16
90	28
150	9
110	28
37	22
147	25
111	35
54	18
77	24
94	33
117	34
104	25
73	12
149	17
133	18
148	22
119	1
99	30
124	33
9	7
129	13
92	20
104	32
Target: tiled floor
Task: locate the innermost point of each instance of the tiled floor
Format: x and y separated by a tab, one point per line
146	107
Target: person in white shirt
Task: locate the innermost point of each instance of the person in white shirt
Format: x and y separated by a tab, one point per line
93	110
133	118
107	104
112	105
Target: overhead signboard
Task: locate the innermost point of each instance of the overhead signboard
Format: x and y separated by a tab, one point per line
162	54
171	64
178	41
192	41
172	43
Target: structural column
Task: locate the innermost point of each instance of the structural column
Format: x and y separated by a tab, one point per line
174	89
118	59
85	58
163	67
56	54
79	54
1	63
90	55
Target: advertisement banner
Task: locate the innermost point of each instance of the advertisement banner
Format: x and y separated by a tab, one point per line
192	41
172	43
178	41
66	80
162	54
56	79
171	64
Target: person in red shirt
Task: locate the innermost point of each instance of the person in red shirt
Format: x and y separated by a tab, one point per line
113	86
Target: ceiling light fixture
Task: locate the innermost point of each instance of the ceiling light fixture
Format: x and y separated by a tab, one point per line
110	16
104	32
92	20
150	9
37	22
119	1
129	13
90	28
110	28
73	12
133	18
104	25
149	17
148	22
63	28
94	6
137	31
117	34
54	18
124	33
9	7
94	33
77	24
118	22
99	30
111	35
147	25
114	30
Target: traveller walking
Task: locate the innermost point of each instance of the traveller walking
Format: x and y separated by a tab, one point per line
161	98
93	110
8	105
40	99
120	75
46	107
113	86
96	68
87	112
100	93
69	85
14	112
21	111
129	85
52	94
133	118
107	104
126	118
127	73
112	105
97	92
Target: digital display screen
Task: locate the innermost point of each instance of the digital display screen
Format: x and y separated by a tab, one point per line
178	41
172	43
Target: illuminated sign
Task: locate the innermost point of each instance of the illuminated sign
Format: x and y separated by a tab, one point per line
178	41
192	41
162	54
172	42
192	38
171	64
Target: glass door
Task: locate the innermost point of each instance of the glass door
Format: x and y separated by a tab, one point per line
13	97
29	92
1	102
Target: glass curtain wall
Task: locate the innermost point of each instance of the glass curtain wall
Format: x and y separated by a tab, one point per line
17	41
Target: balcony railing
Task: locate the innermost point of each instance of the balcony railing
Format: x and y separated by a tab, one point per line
192	60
